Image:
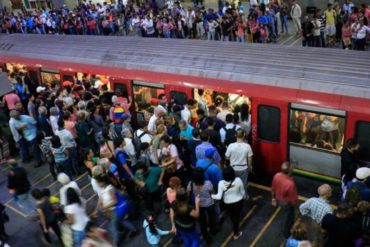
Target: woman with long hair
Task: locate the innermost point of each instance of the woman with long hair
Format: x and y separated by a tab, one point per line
203	188
183	218
76	216
231	191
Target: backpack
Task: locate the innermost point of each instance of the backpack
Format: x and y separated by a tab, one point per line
230	135
353	195
118	112
137	143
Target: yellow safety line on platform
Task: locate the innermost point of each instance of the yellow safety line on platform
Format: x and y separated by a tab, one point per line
286	41
41	179
227	240
264	228
16	211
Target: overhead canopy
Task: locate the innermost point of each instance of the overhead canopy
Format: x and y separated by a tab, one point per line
5	84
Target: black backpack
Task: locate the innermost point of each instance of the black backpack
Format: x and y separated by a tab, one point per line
137	143
230	135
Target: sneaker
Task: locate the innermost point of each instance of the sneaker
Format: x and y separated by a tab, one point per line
238	236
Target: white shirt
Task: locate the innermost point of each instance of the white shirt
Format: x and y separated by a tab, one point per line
66	138
79	215
105	195
362	31
129	147
54	123
151	124
186	114
96	188
316	23
296	11
231	194
238	154
222	115
13	129
145	137
63	191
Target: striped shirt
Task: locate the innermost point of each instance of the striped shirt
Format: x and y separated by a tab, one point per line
322	20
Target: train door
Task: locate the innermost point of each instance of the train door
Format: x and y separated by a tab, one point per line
145	96
34	74
269	134
358	127
316	137
179	95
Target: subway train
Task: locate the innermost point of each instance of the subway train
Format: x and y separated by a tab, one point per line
305	103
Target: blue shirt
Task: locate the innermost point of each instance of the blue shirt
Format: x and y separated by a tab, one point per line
187	133
29	133
121	158
153	239
213	172
200	152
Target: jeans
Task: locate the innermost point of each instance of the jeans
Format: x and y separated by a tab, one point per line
322	36
35	150
235	209
225	38
317	41
65	167
308	41
207	219
240	38
297	24
78	237
53	225
25	202
243	175
116	225
288	216
23	150
73	158
191	239
211	35
284	23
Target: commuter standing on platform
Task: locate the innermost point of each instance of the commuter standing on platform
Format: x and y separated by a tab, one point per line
284	195
296	14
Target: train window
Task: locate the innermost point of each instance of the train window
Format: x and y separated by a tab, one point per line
15	68
50	77
216	98
268	123
362	136
180	98
316	130
120	89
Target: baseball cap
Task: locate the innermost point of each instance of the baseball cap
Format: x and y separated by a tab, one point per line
362	173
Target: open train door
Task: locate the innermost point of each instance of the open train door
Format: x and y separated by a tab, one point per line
269	134
121	87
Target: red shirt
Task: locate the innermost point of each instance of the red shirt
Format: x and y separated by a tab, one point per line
284	188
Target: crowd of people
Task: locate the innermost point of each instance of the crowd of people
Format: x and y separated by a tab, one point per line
190	160
347	24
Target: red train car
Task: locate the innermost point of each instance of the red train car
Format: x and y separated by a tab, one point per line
305	103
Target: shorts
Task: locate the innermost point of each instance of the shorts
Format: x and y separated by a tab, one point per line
330	30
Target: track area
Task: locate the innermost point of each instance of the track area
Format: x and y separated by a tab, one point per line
261	222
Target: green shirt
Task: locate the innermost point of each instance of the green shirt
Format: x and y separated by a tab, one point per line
151	179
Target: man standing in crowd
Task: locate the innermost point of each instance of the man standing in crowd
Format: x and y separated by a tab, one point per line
240	155
284	194
330	17
349	161
19	186
296	14
316	208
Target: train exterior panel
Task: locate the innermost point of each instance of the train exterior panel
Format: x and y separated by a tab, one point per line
285	90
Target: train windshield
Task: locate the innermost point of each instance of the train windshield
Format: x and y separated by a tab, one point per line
316	130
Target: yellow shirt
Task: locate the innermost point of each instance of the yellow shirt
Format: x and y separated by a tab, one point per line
330	17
